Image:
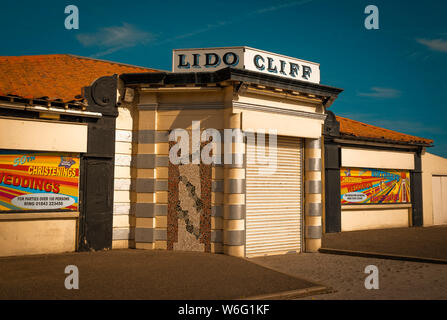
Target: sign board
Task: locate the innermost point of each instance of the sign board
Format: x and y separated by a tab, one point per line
212	59
374	186
38	181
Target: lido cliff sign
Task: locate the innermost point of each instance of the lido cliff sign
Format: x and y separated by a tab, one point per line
211	59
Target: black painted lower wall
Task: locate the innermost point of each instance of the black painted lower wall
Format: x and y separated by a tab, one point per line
416	192
97	168
332	160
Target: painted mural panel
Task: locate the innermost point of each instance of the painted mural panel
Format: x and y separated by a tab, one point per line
374	186
38	181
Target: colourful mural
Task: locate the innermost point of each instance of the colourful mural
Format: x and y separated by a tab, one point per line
38	181
374	186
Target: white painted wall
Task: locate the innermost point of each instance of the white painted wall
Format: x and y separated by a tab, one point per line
432	166
37	233
374	219
379	159
439	200
284	125
36	135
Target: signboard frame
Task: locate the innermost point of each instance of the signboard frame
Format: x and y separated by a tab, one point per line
212	59
39	181
372	186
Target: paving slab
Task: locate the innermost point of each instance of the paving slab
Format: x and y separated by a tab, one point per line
145	274
418	243
398	280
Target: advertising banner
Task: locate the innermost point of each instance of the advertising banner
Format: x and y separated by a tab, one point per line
38	181
374	186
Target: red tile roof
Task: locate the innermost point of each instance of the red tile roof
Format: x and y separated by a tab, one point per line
56	76
362	130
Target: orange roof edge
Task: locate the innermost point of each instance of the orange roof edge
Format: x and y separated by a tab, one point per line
44	56
363	130
58	76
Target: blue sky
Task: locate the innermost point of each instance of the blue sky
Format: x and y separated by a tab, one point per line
394	77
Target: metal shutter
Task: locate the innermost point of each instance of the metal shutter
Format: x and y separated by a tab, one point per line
274	202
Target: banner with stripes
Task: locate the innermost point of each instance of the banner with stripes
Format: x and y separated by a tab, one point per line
38	181
374	186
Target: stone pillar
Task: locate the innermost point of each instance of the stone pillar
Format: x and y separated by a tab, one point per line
234	194
161	139
150	181
217	189
143	182
313	207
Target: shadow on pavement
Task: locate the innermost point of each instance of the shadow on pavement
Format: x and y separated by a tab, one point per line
138	274
424	243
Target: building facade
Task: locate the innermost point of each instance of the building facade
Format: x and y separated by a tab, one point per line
225	207
233	152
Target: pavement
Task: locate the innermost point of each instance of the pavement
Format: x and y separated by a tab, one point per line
411	264
423	244
175	275
397	279
147	274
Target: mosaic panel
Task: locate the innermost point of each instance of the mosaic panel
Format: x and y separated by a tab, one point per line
189	207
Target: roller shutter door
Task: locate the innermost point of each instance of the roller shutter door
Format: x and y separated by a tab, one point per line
274	202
